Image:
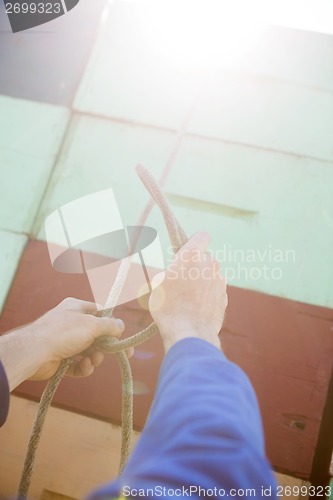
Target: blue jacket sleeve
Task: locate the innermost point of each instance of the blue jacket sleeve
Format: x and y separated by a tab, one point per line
203	436
4	396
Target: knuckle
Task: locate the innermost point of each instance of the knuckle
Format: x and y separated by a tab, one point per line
68	301
89	320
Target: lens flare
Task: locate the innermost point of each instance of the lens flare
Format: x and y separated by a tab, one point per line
194	33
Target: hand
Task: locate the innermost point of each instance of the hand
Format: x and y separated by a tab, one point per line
191	300
35	351
69	330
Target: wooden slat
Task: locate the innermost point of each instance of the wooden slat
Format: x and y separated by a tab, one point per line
76	453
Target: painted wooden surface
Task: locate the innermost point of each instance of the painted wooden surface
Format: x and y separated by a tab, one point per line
76	454
255	171
285	347
28	148
293	56
267	113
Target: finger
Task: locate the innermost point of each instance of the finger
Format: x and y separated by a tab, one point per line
85	367
199	241
97	358
87	307
112	327
216	265
82	368
208	258
158	279
72	304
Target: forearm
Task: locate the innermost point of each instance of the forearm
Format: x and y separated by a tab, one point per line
203	402
204	427
20	354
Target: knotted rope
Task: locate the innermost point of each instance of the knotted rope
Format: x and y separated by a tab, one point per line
177	238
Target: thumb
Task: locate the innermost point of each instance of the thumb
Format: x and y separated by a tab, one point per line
157	279
199	241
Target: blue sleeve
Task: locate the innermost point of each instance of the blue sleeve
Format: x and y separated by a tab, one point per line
4	396
204	431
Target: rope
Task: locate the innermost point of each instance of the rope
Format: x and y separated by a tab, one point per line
38	427
178	239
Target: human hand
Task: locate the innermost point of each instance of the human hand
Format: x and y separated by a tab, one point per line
69	330
191	300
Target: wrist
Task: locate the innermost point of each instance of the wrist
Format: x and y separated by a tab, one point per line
170	335
31	355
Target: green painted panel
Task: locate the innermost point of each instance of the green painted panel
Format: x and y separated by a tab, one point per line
281	186
260	207
30	135
267	113
283	258
284	224
291	55
11	247
100	154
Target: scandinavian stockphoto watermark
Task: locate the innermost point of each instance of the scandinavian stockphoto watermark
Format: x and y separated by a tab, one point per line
26	14
237	264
